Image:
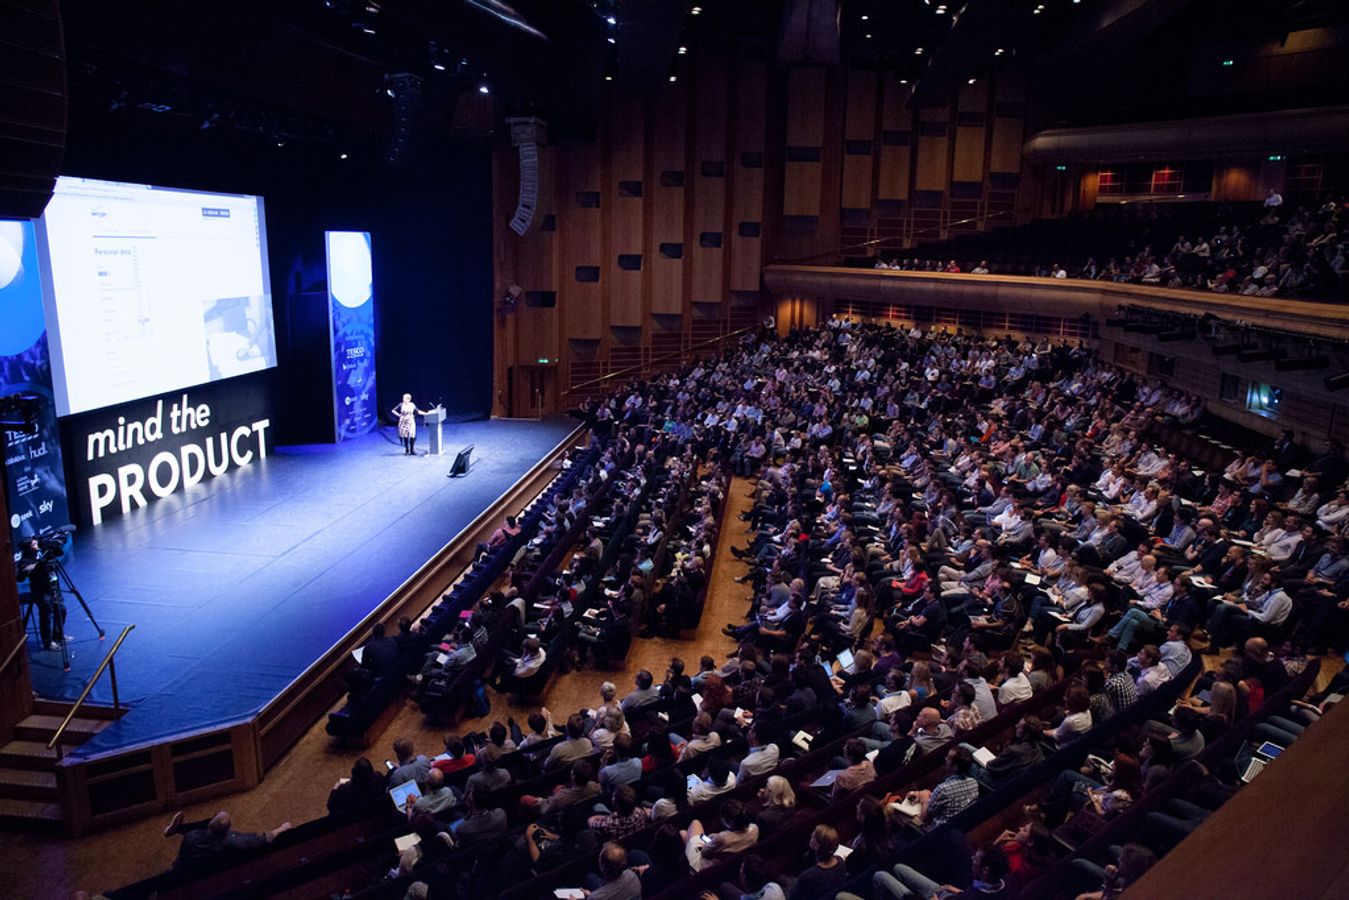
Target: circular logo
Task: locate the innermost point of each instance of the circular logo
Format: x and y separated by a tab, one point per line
20	290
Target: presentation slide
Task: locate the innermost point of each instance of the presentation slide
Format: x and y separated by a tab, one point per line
152	289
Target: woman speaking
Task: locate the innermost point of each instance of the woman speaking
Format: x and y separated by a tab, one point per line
407	413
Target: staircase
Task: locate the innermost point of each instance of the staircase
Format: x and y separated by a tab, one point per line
28	797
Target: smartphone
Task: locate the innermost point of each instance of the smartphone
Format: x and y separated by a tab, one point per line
389	766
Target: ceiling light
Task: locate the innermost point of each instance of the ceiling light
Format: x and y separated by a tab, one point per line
941	10
865	18
439	67
696	11
611	20
903	81
1036	11
917	51
674	78
368	29
608	78
868	37
997	52
683	50
484	88
612	41
341	156
971	81
389	91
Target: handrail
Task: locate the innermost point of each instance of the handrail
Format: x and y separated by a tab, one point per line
874	241
668	356
116	704
23	639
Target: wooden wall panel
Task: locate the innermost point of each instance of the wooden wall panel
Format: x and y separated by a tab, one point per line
747	200
933	164
894	156
968	164
669	114
1008	121
537	327
805	131
710	165
582	243
859	133
627	158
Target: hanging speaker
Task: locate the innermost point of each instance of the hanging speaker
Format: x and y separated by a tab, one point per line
33	106
526	135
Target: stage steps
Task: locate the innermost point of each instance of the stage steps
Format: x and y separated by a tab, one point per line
28	791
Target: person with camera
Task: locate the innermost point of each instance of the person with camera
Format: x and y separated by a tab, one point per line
35	564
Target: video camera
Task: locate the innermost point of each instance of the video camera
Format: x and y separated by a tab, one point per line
51	541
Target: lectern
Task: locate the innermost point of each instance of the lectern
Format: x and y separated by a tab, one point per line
435	437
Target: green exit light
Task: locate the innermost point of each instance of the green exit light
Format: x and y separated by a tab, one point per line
543	360
1275	157
1229	62
1060	168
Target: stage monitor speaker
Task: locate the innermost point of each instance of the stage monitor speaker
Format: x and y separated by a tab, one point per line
462	462
33	106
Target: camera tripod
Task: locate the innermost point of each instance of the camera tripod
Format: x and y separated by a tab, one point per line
59	582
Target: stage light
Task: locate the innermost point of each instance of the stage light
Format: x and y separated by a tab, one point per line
368	29
696	11
1230	349
1301	363
683	50
608	78
865	17
903	81
1337	382
972	81
341	156
611	20
611	40
1257	355
484	88
941	10
389	91
868	37
998	52
674	78
917	51
439	67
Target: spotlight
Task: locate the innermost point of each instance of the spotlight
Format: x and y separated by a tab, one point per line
917	51
341	156
696	11
611	20
998	52
1337	382
368	29
608	78
611	39
1258	355
1230	349
865	17
483	88
439	67
1301	363
674	78
683	50
971	81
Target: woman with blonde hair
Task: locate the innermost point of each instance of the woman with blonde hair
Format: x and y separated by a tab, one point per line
777	804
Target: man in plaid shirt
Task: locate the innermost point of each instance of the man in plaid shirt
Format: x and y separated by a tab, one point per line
1119	687
958	792
626	818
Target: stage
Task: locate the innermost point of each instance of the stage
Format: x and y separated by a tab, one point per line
238	585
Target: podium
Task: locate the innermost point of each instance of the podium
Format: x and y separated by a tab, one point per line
435	437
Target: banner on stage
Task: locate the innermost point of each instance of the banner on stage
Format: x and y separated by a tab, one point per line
128	456
35	483
351	330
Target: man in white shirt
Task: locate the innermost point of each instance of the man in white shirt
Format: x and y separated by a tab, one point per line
1015	686
761	759
1148	671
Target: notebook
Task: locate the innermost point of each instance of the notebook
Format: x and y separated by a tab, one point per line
399	795
909	806
403	842
802	739
827	779
1032	579
983	756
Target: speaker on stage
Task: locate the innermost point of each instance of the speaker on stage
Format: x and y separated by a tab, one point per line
462	462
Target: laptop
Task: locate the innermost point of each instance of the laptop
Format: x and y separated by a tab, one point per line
845	660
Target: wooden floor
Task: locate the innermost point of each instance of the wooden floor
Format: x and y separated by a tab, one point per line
296	790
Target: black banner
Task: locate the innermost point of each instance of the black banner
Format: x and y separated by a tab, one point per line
124	457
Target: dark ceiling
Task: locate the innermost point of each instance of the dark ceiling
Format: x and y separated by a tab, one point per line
319	70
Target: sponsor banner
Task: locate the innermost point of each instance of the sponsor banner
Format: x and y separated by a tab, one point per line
351	320
35	481
127	456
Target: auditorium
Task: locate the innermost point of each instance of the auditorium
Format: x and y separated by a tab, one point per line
674	449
